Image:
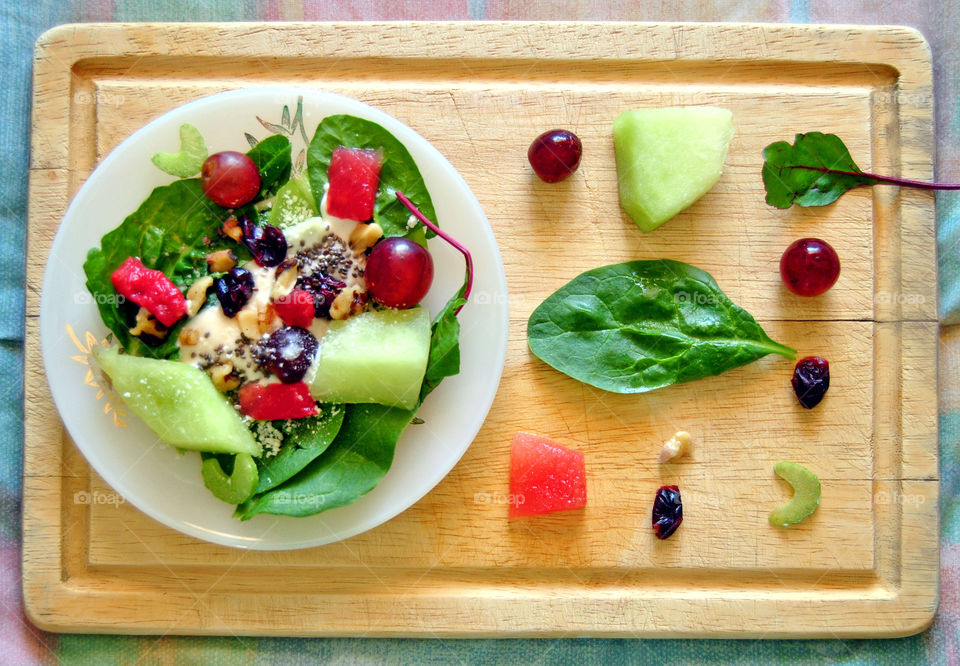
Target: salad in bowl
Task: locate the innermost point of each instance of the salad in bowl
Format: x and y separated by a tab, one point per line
282	314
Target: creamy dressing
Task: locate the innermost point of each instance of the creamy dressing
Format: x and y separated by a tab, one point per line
319	243
221	338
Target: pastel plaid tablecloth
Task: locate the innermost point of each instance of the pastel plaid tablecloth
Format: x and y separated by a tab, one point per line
21	22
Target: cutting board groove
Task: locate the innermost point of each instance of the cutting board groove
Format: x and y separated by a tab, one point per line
453	565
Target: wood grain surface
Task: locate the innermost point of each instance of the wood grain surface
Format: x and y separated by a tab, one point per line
866	564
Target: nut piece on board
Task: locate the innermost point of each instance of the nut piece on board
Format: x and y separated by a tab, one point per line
676	446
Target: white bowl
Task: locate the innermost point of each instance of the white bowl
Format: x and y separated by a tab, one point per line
167	485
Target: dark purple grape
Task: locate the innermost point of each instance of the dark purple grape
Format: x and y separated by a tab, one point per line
234	289
554	155
323	288
288	353
267	244
811	379
667	511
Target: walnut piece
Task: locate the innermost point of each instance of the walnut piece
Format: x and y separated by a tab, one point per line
231	229
147	323
364	236
189	337
221	260
197	294
223	377
351	301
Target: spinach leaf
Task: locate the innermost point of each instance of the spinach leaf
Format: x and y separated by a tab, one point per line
643	325
167	232
355	463
399	171
444	358
272	157
303	440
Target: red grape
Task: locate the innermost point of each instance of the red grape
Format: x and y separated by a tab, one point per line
230	179
809	267
399	273
554	155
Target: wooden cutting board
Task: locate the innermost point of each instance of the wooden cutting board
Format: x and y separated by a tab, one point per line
866	564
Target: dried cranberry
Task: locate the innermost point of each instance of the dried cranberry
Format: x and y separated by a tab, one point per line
811	379
233	290
267	244
288	353
323	288
667	511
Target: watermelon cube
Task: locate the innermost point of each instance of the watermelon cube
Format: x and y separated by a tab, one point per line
545	477
354	176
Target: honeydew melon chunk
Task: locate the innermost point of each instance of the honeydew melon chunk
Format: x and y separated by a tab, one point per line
375	357
293	204
806	494
668	158
178	402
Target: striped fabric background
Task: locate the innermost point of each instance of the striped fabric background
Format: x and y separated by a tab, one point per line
22	21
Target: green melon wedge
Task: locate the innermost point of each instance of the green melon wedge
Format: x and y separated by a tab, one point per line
806	494
178	402
668	158
375	357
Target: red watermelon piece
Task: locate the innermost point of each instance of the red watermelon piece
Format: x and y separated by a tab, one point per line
354	176
545	477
